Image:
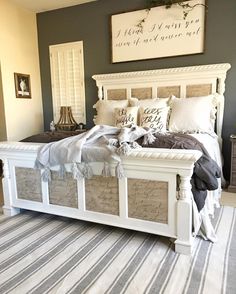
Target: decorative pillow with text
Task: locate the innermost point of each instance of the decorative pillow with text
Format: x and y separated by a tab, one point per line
125	117
155	118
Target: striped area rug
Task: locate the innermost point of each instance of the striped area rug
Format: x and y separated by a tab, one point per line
41	253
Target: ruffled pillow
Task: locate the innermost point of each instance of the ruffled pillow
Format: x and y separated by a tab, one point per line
105	111
154	102
193	115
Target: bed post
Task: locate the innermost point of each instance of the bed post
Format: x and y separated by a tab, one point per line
184	241
8	210
100	93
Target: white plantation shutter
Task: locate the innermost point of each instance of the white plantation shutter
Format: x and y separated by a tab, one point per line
67	77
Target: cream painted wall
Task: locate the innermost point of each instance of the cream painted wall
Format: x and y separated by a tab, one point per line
19	53
3	134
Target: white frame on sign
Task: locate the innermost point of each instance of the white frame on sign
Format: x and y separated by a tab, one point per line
158	32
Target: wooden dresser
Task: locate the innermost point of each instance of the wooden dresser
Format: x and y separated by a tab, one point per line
232	186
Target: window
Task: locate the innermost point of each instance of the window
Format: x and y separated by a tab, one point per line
67	78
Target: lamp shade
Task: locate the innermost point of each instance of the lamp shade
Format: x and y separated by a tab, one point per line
66	121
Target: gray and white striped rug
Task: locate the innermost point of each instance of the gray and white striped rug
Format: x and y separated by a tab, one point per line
41	253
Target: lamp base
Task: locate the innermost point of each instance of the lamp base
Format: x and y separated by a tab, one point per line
66	121
66	127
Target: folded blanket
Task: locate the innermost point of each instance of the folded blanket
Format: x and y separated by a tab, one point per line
100	144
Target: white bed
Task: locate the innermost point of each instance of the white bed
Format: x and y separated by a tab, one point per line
24	188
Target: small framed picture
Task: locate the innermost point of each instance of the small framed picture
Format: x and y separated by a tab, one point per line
22	85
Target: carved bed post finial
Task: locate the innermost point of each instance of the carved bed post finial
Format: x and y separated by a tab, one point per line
6	172
221	84
185	188
100	92
184	241
8	209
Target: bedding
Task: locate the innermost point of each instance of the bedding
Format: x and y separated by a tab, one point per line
47	137
154	103
102	143
206	171
154	118
105	111
125	117
211	143
192	115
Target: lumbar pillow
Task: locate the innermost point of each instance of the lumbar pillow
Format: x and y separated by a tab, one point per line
105	111
126	116
155	118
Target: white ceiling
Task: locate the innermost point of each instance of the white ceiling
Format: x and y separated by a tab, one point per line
45	5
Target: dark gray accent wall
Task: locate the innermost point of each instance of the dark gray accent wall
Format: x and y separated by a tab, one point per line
90	22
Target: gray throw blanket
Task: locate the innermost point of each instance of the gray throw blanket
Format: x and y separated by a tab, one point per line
100	144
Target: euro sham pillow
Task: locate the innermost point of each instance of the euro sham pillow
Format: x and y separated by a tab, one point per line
105	111
126	116
154	102
155	118
193	115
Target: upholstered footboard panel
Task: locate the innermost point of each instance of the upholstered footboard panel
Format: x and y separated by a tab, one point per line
102	194
28	184
63	192
147	200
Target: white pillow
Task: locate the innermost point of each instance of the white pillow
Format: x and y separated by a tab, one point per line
192	115
105	111
154	102
125	117
155	118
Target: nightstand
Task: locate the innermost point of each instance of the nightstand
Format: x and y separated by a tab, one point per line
232	186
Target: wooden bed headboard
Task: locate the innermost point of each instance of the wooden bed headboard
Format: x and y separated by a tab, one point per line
191	81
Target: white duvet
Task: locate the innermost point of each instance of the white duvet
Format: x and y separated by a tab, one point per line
211	144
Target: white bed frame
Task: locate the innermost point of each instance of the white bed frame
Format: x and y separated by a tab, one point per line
147	163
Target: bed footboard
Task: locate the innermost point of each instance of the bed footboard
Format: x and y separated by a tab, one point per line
145	199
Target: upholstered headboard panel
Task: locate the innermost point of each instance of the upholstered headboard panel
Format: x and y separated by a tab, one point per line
162	92
192	81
